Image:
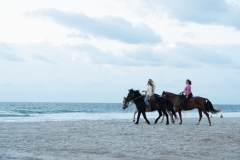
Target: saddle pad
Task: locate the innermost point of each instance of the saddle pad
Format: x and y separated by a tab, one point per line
151	101
192	100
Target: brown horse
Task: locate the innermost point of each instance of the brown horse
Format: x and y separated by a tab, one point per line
202	104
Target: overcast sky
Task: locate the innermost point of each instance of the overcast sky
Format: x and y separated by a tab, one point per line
94	51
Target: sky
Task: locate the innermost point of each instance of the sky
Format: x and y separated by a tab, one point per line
94	51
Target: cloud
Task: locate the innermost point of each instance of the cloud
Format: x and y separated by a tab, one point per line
204	12
7	53
93	55
189	35
110	27
80	35
44	59
184	55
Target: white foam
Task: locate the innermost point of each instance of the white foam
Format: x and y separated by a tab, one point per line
100	116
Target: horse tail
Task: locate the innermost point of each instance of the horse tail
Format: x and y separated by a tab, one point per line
209	107
170	108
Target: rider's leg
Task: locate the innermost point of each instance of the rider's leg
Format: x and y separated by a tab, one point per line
147	103
146	100
184	100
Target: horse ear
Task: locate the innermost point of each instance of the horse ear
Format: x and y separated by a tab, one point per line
129	90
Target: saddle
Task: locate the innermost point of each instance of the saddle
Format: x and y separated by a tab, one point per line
152	99
192	100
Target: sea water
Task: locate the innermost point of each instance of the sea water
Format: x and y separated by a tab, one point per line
32	111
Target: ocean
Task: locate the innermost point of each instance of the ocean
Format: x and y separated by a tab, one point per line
34	112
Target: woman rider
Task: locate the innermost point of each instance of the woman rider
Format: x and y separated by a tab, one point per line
187	94
149	92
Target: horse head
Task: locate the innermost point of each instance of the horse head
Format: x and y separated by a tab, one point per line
127	99
169	94
125	103
131	95
163	94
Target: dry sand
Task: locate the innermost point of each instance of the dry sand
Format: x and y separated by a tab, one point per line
120	140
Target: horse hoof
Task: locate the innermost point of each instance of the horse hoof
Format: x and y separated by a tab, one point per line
136	123
148	123
197	124
133	120
180	123
209	124
167	124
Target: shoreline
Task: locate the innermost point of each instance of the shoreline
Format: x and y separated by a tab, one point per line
121	139
104	116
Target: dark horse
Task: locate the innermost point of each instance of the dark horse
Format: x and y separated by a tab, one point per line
202	104
160	105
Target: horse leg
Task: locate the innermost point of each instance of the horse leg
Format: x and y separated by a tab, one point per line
205	112
200	116
180	115
171	116
160	114
134	115
145	117
162	117
139	112
164	111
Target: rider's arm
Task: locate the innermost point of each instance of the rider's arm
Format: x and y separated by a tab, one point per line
187	91
150	92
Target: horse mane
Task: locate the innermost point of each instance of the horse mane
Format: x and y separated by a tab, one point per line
137	92
169	93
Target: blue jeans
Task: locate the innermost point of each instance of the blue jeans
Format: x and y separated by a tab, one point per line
146	100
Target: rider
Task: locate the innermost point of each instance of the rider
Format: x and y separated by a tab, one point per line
149	92
187	93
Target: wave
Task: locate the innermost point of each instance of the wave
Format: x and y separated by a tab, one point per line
12	114
48	112
96	116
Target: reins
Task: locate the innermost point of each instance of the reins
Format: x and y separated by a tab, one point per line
176	99
137	98
134	99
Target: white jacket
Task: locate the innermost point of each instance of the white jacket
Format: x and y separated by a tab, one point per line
149	90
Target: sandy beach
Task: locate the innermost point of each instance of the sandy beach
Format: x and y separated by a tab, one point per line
120	140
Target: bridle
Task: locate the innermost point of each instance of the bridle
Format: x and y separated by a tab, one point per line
132	96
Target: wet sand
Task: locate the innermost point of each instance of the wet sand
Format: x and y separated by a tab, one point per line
120	140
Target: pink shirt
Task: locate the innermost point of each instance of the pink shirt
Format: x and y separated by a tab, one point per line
187	89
